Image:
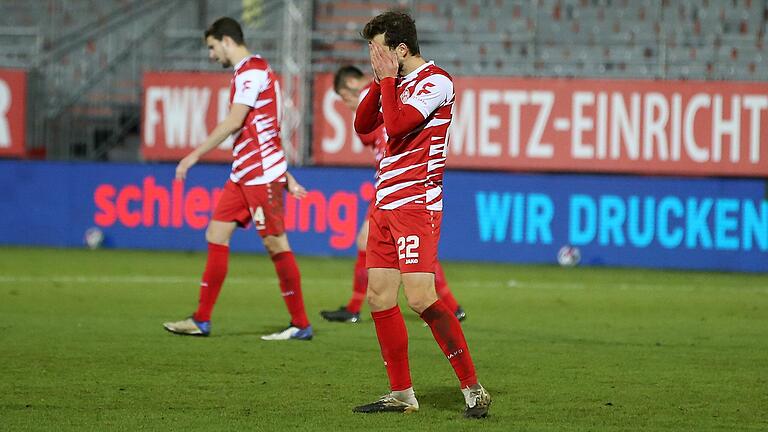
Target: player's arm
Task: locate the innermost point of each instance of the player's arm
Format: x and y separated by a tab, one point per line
368	117
231	124
248	85
294	187
369	139
399	120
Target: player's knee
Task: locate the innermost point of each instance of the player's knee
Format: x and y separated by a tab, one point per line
271	246
378	301
216	236
420	299
420	304
374	299
276	244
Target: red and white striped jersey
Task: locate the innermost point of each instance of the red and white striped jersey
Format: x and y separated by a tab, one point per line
257	150
411	172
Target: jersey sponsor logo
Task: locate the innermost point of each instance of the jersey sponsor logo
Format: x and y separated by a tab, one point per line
425	89
405	95
246	85
455	353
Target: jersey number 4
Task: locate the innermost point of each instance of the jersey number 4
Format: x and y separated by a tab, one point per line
258	216
406	247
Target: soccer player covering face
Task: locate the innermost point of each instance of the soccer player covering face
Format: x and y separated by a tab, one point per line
413	99
351	84
256	185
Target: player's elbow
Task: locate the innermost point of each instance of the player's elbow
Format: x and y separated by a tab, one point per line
368	140
363	128
232	125
408	121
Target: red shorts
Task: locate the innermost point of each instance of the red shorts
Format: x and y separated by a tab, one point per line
403	239
371	207
262	204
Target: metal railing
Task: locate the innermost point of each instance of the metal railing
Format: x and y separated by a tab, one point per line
279	31
85	90
477	41
85	67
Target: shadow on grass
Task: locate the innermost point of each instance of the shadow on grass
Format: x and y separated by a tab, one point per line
254	332
445	398
248	333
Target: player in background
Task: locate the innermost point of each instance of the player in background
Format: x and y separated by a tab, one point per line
350	83
413	99
255	189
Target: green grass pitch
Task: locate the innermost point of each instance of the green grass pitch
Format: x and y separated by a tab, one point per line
583	349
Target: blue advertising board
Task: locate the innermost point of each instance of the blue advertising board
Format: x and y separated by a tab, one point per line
661	222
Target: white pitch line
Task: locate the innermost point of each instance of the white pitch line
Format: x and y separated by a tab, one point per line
346	281
172	280
152	280
159	280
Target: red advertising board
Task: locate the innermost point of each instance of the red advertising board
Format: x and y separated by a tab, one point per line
527	124
334	141
179	110
13	112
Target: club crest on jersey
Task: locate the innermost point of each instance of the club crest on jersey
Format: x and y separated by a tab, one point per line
405	95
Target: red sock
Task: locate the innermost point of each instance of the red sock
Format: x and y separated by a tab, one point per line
359	285
213	279
393	339
449	335
441	286
290	287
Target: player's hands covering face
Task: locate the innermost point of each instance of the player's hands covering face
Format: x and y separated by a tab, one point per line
383	61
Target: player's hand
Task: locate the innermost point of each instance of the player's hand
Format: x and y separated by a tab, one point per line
295	189
383	61
373	68
184	166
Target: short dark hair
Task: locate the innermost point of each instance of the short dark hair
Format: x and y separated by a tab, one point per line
398	27
226	26
344	73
